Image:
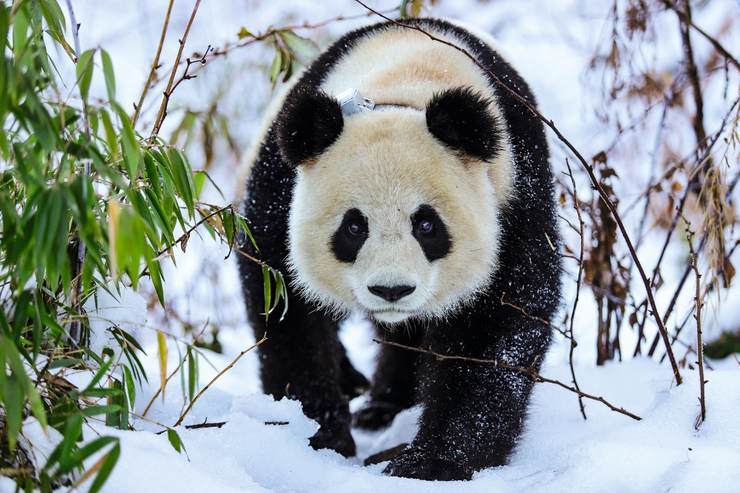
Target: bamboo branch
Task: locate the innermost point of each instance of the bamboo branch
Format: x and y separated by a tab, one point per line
155	65
168	90
213	380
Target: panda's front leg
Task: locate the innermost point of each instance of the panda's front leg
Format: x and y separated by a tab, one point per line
472	412
301	359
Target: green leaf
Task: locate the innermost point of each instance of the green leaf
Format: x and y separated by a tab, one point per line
130	387
100	409
244	33
13	400
111	458
129	143
192	374
303	49
72	432
84	71
276	66
183	179
175	440
199	177
110	134
267	289
20	33
110	79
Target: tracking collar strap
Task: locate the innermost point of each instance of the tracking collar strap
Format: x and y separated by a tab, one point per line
351	101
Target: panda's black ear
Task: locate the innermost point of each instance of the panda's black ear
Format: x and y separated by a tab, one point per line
461	119
309	122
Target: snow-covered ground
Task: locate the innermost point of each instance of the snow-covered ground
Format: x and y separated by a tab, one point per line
550	43
559	451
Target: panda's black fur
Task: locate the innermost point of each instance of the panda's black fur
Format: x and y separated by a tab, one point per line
472	413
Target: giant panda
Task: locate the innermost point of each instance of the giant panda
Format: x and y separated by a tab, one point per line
398	180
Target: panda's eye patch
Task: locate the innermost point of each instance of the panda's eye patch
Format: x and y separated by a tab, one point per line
350	236
431	232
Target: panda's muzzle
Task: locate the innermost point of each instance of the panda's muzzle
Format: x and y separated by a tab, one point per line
391	293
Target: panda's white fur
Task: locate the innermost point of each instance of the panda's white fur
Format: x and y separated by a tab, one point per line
386	163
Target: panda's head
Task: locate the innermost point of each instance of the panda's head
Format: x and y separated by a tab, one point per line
395	211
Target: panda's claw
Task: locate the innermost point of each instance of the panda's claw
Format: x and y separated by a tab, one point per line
418	463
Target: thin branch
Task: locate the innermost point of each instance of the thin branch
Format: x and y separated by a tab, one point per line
253	38
713	41
206	424
76	327
524	312
75	29
530	372
588	168
155	65
697	316
186	235
579	278
702	242
218	375
168	90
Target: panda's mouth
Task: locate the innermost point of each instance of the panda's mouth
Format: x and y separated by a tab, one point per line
390	315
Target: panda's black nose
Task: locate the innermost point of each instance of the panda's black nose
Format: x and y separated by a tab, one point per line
392	293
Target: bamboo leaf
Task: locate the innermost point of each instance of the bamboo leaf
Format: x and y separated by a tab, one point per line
129	143
107	463
109	74
162	352
84	71
175	440
114	210
303	49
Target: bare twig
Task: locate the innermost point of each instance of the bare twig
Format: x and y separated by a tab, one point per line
75	329
587	167
75	29
702	241
686	19
253	38
530	372
161	387
218	375
579	278
206	424
168	90
697	316
183	238
155	65
524	312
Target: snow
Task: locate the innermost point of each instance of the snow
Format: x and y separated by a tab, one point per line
559	451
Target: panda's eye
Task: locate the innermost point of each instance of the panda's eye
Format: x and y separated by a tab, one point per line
354	228
426	227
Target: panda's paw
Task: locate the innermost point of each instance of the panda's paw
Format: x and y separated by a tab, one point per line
337	438
417	463
375	415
